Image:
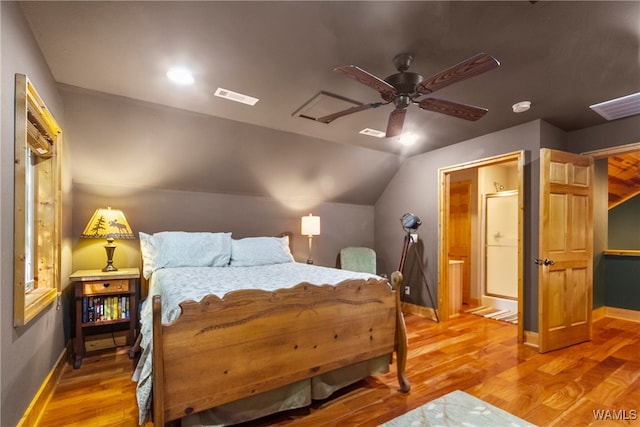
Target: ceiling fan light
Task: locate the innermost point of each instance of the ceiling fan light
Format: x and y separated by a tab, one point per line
408	138
521	107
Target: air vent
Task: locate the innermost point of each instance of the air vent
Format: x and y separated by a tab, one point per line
323	104
618	108
235	96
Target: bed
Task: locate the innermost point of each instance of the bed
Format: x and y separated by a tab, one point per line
233	330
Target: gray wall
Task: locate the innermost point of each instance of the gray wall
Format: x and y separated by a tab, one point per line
152	210
27	354
624	225
121	141
415	189
611	134
600	230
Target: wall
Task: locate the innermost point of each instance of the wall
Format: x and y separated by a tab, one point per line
121	141
600	229
415	189
624	225
623	290
608	135
27	354
152	210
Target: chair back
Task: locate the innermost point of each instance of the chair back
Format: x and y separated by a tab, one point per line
358	259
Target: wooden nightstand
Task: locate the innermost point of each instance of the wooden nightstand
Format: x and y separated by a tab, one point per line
104	298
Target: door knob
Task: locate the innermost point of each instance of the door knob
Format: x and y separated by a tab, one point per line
545	261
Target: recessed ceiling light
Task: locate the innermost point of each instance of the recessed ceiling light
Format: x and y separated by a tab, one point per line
372	132
180	75
521	107
235	96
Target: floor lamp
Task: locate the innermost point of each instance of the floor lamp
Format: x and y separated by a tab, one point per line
410	224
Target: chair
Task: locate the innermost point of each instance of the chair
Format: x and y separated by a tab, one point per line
357	259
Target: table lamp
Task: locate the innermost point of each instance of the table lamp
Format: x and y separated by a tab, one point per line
108	224
310	226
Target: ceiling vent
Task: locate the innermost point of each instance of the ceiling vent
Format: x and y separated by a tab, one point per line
323	104
618	108
235	96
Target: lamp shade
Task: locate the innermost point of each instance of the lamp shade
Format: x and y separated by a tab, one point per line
310	225
107	223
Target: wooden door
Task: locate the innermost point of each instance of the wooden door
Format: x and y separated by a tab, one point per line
566	246
460	232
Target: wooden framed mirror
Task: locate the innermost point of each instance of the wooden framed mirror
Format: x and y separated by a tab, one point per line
37	204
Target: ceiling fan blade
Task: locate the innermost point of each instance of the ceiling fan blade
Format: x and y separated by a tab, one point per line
396	121
366	78
471	67
462	111
331	117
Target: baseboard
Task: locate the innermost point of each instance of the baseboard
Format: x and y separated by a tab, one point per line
623	313
598	313
418	310
531	339
33	413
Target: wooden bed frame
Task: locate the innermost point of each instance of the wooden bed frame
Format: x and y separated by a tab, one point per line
252	341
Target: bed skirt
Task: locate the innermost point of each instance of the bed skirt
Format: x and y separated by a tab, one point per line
293	396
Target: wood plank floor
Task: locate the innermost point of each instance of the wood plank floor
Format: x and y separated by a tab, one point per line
479	356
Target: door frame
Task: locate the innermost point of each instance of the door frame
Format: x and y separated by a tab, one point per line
444	178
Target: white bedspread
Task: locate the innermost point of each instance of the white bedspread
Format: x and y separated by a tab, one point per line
194	283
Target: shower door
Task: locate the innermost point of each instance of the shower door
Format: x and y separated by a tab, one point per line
500	211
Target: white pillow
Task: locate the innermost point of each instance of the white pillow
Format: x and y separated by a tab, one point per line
148	252
169	249
252	251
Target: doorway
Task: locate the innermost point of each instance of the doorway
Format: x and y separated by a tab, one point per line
463	261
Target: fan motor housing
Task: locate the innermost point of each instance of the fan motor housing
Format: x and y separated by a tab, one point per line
405	83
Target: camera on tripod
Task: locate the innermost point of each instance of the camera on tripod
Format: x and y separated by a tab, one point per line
410	224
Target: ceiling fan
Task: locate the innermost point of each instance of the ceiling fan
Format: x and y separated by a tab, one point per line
405	87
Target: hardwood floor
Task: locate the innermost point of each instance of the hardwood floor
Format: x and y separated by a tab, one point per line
479	356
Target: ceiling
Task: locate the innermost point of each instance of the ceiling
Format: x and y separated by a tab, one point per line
624	177
561	56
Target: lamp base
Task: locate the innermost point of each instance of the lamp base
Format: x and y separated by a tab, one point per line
109	267
110	248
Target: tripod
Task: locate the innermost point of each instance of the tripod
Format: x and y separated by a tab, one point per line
405	248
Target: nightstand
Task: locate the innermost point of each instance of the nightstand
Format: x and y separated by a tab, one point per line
104	298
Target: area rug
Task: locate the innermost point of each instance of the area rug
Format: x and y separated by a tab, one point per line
457	409
494	313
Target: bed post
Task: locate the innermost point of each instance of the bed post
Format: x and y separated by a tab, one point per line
401	335
158	365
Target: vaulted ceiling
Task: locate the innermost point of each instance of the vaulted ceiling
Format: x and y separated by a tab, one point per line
560	56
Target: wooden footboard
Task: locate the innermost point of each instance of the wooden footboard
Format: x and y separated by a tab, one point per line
252	341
